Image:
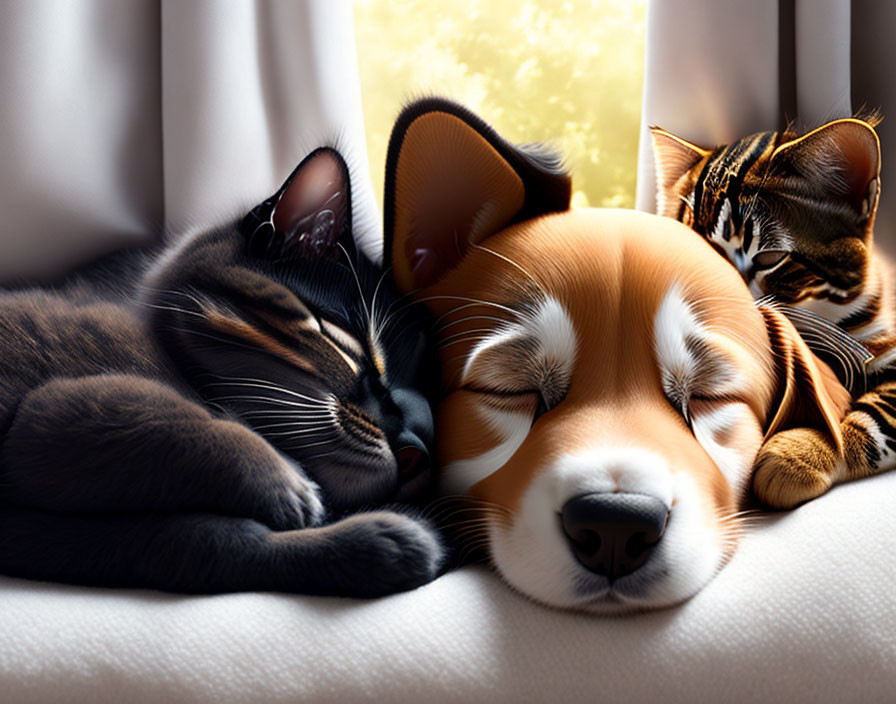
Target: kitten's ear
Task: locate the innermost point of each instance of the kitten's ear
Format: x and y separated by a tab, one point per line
309	217
840	160
451	181
673	158
810	395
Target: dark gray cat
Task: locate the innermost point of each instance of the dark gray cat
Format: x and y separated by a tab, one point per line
214	421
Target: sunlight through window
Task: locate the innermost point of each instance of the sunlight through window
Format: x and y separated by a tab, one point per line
569	73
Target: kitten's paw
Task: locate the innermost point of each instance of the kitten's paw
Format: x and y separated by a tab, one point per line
383	552
292	502
793	467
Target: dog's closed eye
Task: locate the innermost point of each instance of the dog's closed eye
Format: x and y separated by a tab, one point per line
525	362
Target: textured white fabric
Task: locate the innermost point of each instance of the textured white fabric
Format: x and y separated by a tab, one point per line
805	612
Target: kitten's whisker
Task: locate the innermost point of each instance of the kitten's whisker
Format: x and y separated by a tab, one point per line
295	424
305	446
507	309
473	339
265	399
473	317
327	399
300	414
270	387
174	309
512	263
375	323
298	433
351	266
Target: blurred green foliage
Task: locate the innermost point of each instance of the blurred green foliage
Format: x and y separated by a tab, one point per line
566	72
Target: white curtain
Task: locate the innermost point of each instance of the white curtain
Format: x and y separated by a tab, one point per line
123	120
717	70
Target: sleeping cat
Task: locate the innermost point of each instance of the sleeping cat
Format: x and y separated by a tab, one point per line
190	425
795	214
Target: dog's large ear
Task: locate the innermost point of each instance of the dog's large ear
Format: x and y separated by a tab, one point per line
452	181
809	393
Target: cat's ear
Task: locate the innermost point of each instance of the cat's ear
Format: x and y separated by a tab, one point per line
309	217
452	181
673	158
840	161
809	395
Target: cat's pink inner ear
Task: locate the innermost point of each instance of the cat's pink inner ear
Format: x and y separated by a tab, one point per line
860	157
673	158
312	211
842	159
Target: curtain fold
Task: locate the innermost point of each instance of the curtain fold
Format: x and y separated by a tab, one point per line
123	120
717	71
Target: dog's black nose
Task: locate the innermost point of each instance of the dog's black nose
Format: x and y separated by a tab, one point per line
612	534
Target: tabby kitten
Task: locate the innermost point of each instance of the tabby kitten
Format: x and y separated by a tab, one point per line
795	215
191	425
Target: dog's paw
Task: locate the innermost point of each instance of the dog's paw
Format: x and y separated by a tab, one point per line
383	552
793	467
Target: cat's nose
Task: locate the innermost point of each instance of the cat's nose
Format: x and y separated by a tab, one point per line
613	534
412	462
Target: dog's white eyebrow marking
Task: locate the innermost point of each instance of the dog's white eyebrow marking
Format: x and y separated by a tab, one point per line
551	326
690	354
675	322
460	475
543	336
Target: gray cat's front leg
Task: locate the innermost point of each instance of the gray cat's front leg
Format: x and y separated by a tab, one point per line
120	442
365	555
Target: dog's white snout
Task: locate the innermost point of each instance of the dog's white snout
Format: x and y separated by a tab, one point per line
612	470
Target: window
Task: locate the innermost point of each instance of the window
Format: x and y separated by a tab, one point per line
569	73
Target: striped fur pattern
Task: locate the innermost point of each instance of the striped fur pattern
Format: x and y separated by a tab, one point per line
224	417
794	213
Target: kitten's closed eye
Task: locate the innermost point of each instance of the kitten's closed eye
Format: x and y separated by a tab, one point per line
768	259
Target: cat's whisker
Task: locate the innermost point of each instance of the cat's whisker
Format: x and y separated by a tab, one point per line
305	446
270	387
473	331
295	424
299	433
507	309
299	414
375	323
263	399
174	309
514	264
351	266
318	455
444	327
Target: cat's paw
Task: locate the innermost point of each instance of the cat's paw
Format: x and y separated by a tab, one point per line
793	467
382	552
291	501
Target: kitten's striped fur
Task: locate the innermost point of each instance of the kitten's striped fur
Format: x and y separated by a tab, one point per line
794	213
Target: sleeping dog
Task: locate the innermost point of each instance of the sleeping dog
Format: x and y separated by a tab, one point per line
610	390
